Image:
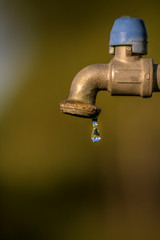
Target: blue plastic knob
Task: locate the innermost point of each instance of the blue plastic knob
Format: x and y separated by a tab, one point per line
130	31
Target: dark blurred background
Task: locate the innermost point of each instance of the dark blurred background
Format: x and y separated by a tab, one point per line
54	182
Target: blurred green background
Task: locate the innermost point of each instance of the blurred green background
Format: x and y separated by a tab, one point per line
54	182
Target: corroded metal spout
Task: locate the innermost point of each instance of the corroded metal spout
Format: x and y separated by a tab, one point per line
83	91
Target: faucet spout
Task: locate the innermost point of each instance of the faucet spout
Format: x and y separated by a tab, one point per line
84	89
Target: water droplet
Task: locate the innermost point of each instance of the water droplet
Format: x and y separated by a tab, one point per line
95	136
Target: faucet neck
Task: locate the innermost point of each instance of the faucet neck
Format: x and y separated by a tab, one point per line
124	54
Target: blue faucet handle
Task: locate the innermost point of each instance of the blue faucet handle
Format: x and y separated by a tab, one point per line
130	31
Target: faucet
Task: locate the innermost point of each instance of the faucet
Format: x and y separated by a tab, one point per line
128	73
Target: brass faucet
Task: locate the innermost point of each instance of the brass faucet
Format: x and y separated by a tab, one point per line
128	73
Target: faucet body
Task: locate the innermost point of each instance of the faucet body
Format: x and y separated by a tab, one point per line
128	73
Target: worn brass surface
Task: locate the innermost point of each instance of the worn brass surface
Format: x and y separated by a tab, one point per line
126	74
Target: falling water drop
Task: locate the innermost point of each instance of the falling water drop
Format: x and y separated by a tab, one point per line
95	136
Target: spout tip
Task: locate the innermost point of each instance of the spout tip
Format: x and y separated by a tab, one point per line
79	109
